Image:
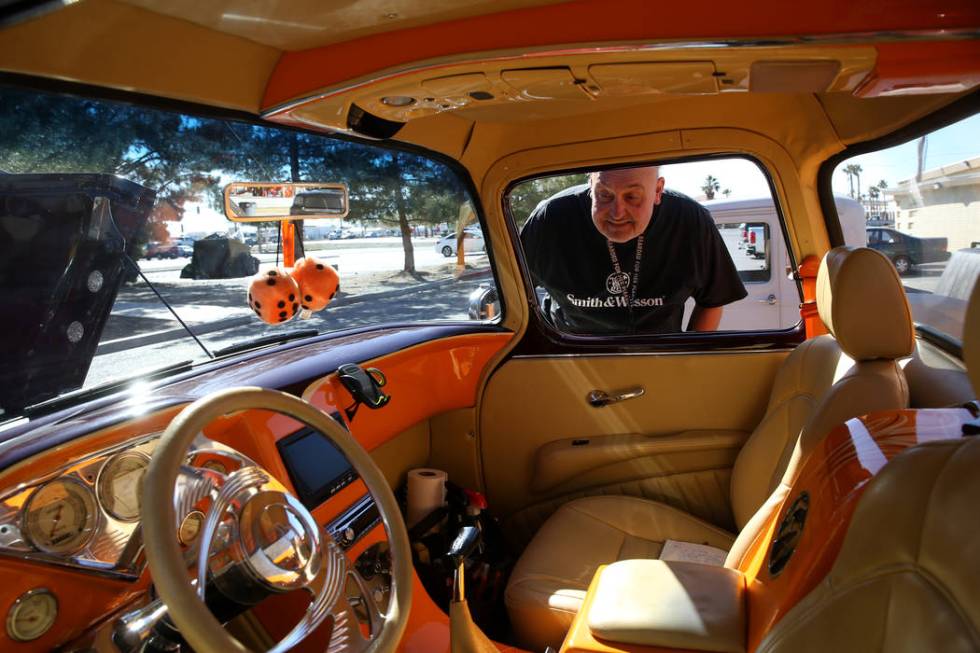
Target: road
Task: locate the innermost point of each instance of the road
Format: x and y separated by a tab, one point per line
447	301
142	334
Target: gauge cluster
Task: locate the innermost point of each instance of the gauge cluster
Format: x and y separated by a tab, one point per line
87	514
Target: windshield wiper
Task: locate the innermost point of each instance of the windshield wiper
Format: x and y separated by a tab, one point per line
88	394
274	339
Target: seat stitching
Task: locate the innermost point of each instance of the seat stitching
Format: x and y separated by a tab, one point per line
571	506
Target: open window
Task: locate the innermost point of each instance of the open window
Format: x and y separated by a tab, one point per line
711	239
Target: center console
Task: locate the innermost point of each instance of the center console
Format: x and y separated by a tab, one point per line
658	603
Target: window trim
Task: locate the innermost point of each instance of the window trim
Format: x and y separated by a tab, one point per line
543	338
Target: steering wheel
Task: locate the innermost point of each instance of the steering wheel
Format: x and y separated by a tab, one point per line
285	549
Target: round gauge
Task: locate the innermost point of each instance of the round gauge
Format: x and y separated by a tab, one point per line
31	615
120	485
190	527
60	517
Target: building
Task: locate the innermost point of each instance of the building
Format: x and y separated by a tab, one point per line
944	202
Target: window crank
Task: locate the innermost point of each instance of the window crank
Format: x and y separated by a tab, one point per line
600	398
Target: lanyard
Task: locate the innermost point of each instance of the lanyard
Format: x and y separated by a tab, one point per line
618	282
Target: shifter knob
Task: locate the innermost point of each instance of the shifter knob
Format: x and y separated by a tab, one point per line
461	548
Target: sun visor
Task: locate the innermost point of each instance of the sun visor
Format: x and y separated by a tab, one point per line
62	245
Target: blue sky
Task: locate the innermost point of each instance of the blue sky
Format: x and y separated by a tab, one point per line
957	142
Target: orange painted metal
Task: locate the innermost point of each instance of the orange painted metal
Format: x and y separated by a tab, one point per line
423	381
83	600
102	596
808	309
835	476
609	21
288	243
899	69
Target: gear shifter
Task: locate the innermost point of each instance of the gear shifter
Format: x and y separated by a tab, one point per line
462	547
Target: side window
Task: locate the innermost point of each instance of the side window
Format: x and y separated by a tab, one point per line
690	246
751	252
921	200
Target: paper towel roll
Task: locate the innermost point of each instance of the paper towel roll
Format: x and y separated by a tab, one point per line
426	492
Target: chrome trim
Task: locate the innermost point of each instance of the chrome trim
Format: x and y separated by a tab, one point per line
345	521
856	38
131	630
698	352
19	601
599	398
143	457
115	550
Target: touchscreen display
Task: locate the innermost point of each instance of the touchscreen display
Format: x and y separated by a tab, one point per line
315	466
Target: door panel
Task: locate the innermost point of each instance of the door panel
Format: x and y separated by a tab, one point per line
676	442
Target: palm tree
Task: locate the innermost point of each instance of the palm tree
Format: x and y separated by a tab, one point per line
873	193
849	171
710	187
726	192
854	172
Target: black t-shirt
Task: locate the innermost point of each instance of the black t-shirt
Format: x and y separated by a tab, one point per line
683	256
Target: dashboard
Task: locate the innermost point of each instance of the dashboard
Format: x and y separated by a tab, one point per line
86	514
70	501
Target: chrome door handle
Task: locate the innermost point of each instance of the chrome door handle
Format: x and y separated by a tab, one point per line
771	299
600	398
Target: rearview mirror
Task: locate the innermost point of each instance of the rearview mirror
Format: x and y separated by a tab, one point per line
250	201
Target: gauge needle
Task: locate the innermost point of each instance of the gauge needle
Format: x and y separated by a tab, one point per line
57	518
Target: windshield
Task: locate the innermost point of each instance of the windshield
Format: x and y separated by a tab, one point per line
393	261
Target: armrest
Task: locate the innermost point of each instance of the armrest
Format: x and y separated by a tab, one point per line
561	460
669	604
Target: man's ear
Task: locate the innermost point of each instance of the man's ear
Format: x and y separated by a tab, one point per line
660	190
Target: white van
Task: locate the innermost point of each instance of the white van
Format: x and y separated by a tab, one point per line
751	230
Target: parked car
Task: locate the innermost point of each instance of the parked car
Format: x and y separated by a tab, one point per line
225	485
773	300
165	250
318	202
905	250
472	242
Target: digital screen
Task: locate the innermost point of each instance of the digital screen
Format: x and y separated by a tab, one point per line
315	466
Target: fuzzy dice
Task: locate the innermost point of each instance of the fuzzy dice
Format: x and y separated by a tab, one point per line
318	283
274	296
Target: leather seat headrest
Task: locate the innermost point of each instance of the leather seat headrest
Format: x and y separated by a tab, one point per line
862	303
971	338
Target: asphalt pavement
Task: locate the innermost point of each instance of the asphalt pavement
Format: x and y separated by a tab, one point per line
143	333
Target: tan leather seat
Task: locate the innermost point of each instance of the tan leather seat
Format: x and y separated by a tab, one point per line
863	305
906	578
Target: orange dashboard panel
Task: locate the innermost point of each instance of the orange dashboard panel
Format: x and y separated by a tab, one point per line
423	381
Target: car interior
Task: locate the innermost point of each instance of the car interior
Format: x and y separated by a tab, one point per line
809	488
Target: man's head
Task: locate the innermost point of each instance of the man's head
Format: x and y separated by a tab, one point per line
623	201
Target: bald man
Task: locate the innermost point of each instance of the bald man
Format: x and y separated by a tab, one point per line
621	255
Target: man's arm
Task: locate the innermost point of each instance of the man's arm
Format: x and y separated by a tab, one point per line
705	319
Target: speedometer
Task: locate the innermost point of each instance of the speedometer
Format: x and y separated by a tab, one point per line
120	485
61	516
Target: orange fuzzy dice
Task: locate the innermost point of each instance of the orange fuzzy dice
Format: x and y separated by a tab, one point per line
274	296
318	283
